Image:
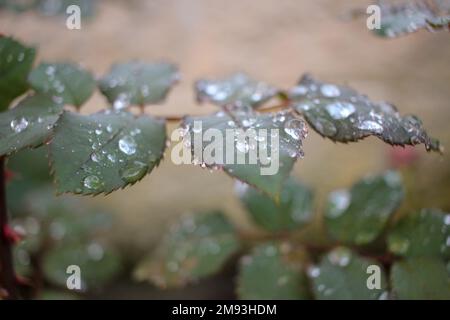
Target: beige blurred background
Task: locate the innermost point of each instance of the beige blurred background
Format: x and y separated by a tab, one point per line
275	41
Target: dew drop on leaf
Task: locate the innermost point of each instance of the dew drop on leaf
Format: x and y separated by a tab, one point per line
134	172
330	91
127	145
19	125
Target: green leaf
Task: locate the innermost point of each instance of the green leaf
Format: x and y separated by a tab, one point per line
29	124
16	61
359	215
196	247
138	83
104	151
343	115
293	211
237	88
272	271
343	275
258	149
423	233
403	18
66	83
421	278
98	264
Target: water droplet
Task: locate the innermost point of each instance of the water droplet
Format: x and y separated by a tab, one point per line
325	127
447	219
340	257
109	128
340	110
314	271
339	201
248	122
330	91
121	102
92	182
296	129
298	91
127	145
371	126
134	171
98	132
19	125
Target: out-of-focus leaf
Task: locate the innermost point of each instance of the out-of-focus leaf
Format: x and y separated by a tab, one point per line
342	275
16	61
293	211
196	247
399	19
57	295
98	265
421	278
67	83
104	151
343	115
237	89
51	223
138	83
424	233
258	149
30	172
272	271
359	215
29	124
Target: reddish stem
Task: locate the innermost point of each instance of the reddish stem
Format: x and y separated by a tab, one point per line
7	274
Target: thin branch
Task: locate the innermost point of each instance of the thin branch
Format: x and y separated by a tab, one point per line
7	274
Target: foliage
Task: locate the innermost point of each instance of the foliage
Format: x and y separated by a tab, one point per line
114	148
410	253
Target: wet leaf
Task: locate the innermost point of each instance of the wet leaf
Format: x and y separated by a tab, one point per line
237	88
28	124
16	61
421	279
67	83
343	275
272	272
258	149
138	83
98	264
293	211
359	215
423	233
104	151
196	247
343	115
399	19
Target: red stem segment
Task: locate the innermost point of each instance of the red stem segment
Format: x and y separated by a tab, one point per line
7	274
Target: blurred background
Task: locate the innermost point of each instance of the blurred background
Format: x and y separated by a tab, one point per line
272	40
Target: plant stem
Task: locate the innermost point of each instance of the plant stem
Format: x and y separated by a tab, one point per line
7	274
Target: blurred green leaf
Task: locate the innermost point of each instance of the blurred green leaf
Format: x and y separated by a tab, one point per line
138	83
16	61
196	247
343	275
421	278
342	114
264	149
29	124
67	83
237	88
272	271
104	151
293	211
98	265
30	172
424	233
359	215
399	19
